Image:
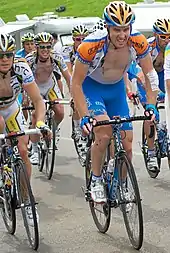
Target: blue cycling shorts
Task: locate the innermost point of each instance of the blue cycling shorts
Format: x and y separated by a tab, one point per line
107	99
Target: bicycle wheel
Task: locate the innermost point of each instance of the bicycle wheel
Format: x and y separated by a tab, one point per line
130	201
26	200
50	151
41	155
152	174
8	209
101	213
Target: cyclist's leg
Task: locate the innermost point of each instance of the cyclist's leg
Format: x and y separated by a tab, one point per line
152	161
93	92
2	124
53	94
115	108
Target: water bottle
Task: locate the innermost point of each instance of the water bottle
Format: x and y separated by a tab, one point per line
110	170
162	132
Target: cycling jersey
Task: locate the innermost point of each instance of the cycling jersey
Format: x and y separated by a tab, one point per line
57	61
94	48
167	62
21	75
21	53
69	54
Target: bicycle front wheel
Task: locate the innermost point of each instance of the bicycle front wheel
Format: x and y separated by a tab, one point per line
27	204
8	209
101	212
130	202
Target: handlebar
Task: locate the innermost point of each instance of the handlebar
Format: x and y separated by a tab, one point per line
61	102
25	132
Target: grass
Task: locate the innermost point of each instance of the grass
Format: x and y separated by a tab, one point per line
10	8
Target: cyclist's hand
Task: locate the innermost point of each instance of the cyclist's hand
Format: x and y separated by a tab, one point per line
152	112
45	130
87	123
133	98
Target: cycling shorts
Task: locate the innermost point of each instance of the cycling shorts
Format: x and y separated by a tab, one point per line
50	90
14	118
107	99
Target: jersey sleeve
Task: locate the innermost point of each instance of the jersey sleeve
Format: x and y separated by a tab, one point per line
60	61
30	58
22	69
140	44
167	63
88	49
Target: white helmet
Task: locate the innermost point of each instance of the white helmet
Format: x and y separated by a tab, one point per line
7	42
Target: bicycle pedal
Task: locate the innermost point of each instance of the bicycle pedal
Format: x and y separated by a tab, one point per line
114	203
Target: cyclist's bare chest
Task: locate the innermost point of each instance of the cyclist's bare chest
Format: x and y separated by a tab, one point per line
5	86
43	71
159	62
117	58
115	63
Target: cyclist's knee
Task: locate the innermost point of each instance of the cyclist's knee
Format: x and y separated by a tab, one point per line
2	124
59	112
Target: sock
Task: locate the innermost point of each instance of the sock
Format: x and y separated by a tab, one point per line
94	178
35	147
151	152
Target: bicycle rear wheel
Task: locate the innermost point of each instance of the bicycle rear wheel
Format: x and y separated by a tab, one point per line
130	201
152	174
101	213
26	200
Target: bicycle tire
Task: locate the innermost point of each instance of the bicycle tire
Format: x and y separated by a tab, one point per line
20	168
49	172
145	154
41	156
8	193
10	207
106	207
124	161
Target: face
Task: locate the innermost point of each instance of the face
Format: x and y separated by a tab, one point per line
6	61
29	46
119	35
44	50
78	40
163	40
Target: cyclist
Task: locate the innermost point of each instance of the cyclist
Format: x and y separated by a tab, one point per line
79	33
158	42
98	84
43	62
14	75
27	44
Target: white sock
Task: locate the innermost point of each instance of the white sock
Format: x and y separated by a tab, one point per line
35	147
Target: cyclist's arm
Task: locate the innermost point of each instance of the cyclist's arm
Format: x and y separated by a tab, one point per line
67	76
151	78
167	86
35	96
79	73
128	84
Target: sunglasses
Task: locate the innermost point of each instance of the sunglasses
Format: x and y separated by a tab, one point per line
8	55
78	39
164	37
45	47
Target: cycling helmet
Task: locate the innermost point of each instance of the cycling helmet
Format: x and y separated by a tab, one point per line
118	14
100	25
79	30
27	37
162	26
43	37
7	42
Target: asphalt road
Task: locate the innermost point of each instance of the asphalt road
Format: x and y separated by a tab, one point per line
66	224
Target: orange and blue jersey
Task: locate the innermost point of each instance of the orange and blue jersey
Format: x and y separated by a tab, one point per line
94	48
